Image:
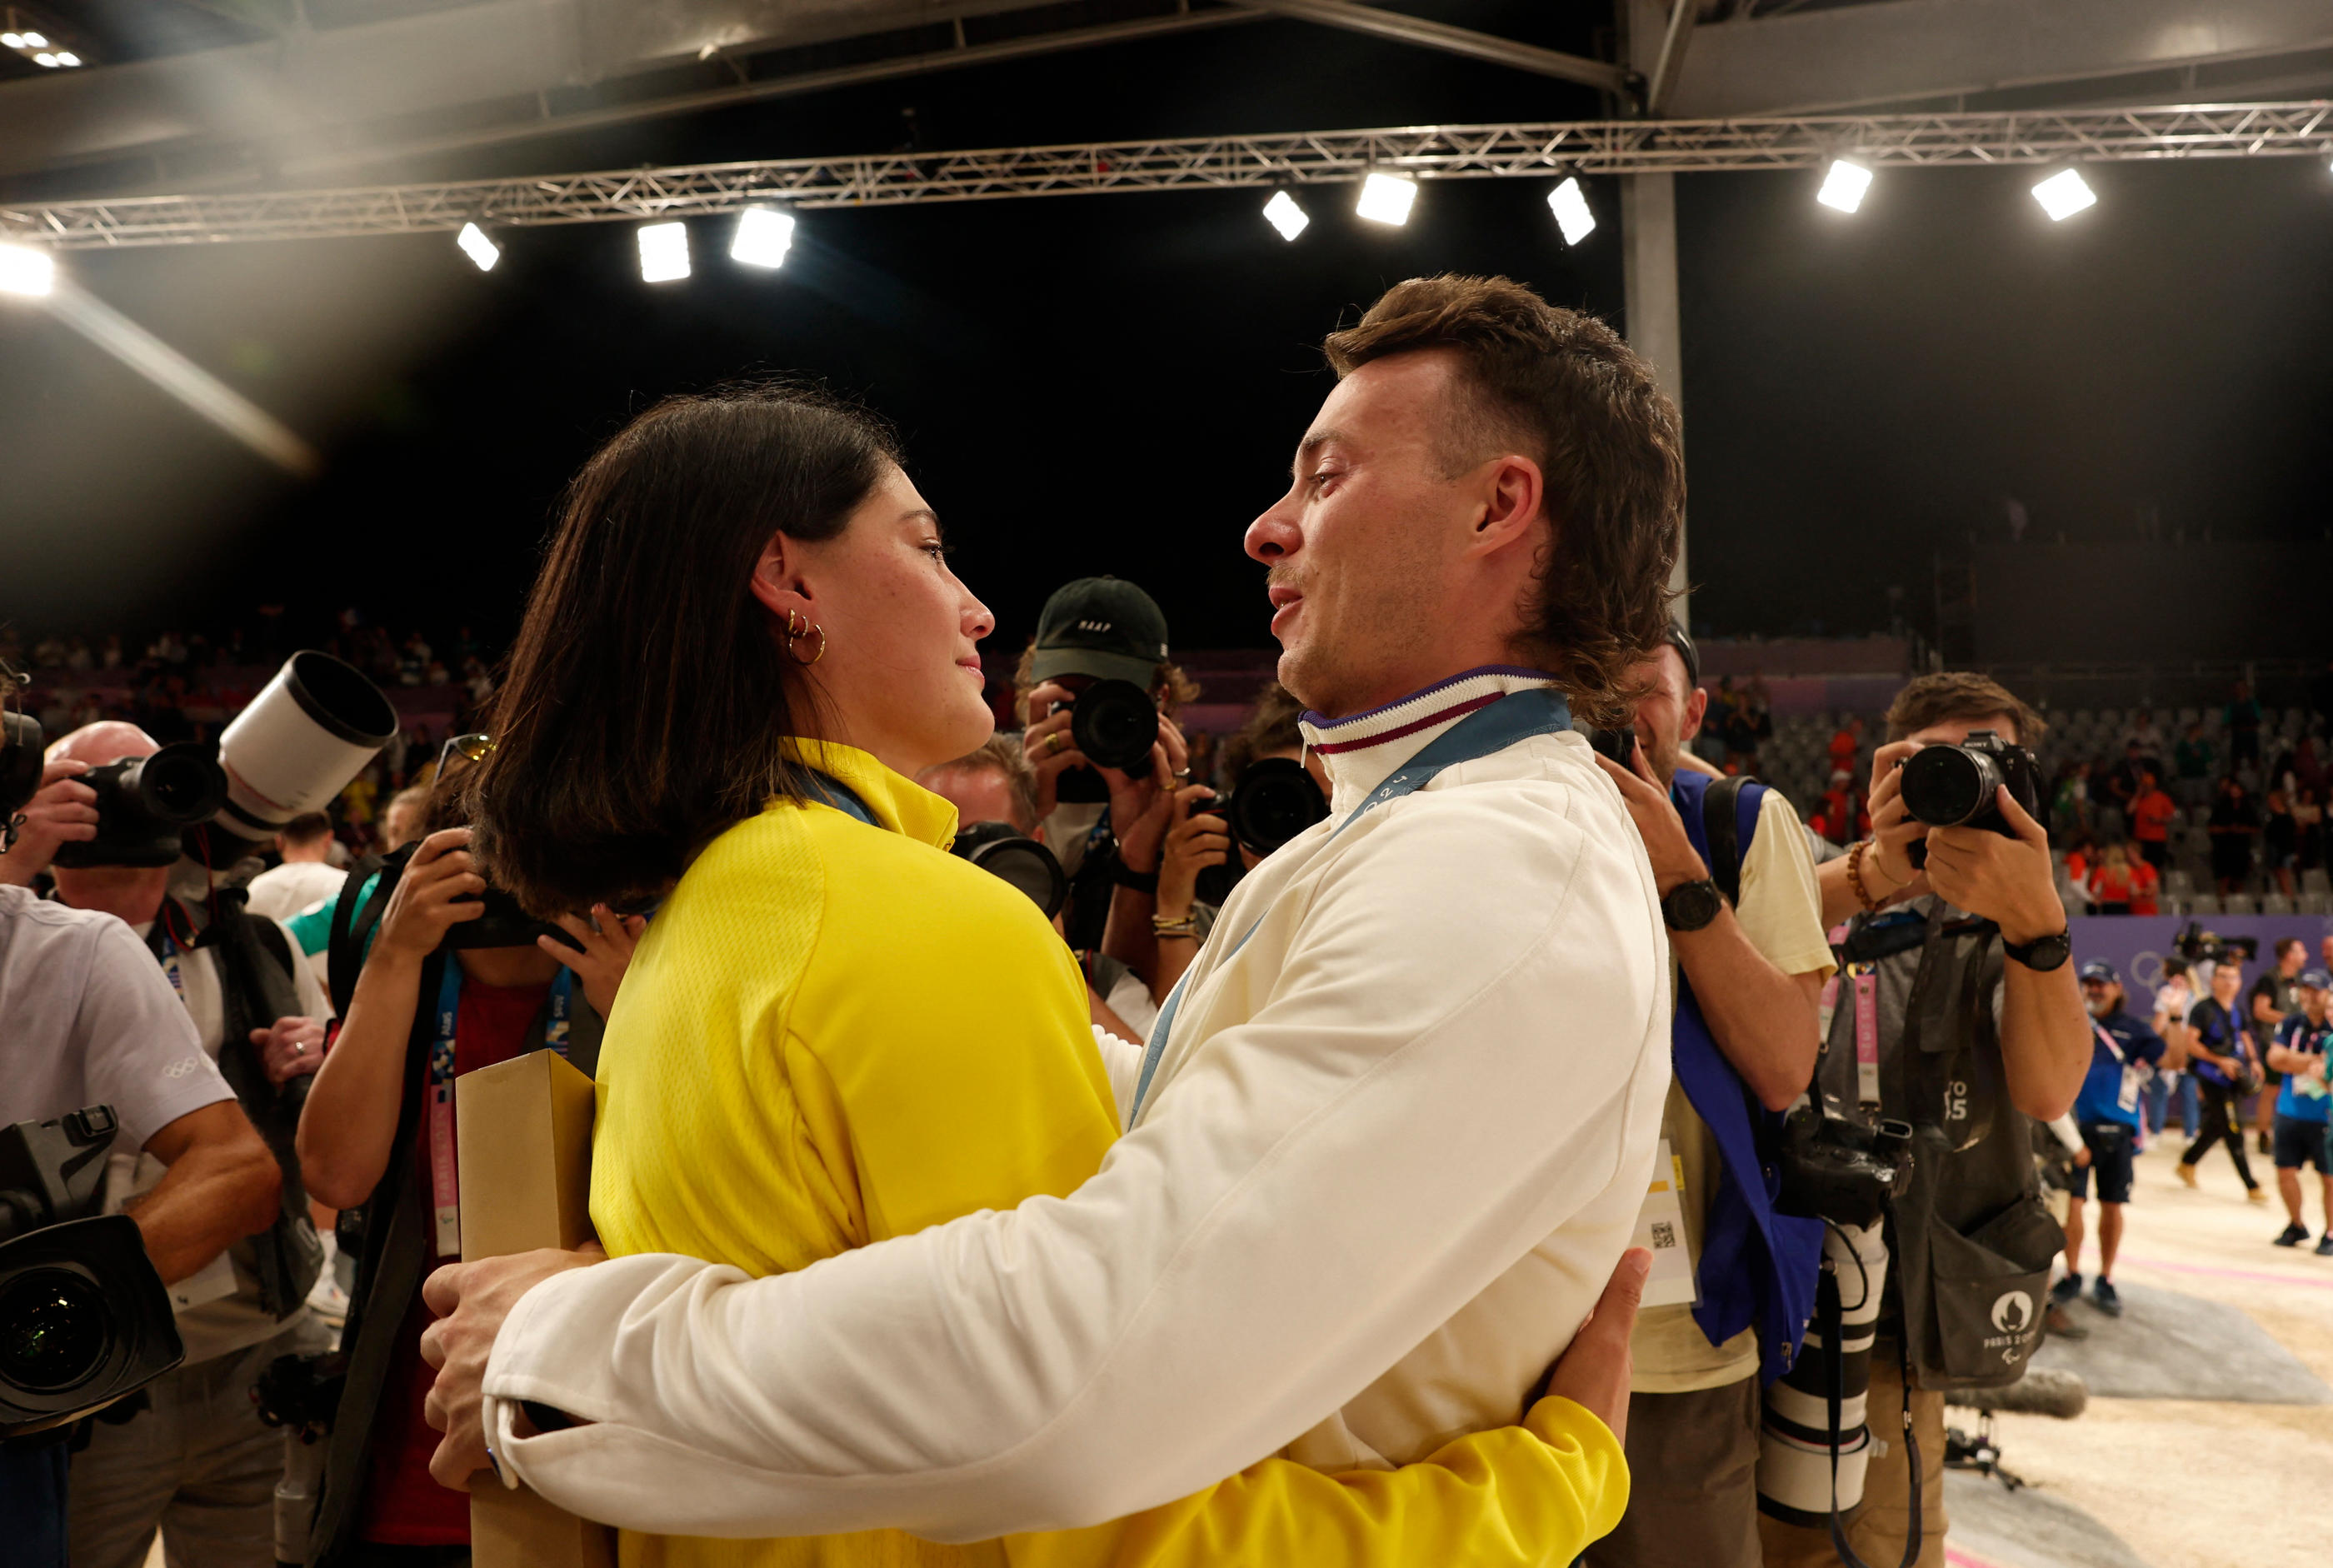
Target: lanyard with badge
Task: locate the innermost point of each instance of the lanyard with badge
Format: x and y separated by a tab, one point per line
445	1177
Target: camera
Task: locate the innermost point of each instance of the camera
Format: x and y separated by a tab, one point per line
20	767
1114	723
1276	800
1839	1169
1957	786
1000	849
2199	946
144	806
503	925
83	1317
1620	745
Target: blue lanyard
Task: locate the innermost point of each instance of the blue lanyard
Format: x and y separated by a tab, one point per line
832	791
1514	717
555	1028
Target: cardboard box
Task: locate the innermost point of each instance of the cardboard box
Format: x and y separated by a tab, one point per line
523	1135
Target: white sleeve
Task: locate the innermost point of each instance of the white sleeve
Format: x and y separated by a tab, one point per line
137	1045
1122	1060
1453	1061
2068	1133
314	1002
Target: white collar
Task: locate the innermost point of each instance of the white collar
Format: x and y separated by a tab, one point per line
1362	750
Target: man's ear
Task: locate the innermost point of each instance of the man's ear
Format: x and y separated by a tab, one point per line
1512	496
777	580
1697	709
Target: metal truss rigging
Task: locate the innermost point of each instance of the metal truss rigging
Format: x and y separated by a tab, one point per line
1211	162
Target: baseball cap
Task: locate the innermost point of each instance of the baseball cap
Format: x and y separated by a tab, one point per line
2100	969
2315	980
1101	626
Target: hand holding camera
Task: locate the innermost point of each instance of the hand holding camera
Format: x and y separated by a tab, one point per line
440	889
1675	860
63	812
1894	830
600	952
293	1048
1198	840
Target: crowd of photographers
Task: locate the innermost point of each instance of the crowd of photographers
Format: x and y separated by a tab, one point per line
1866	1036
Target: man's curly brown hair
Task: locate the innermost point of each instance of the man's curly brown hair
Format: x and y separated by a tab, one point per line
1563	390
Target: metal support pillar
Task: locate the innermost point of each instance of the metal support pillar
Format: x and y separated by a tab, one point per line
1649	271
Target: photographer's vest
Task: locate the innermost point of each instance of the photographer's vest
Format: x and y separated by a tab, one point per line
256	988
1971	1239
1756	1265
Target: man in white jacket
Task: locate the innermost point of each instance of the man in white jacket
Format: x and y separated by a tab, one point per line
1390	1133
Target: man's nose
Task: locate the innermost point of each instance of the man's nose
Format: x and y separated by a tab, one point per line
1272	538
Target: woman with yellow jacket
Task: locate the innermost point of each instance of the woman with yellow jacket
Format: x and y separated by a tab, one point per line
744	643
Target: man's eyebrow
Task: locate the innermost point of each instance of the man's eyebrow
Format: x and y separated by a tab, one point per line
1312	444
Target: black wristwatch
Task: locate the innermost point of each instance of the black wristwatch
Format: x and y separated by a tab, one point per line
1126	876
1690	906
2042	954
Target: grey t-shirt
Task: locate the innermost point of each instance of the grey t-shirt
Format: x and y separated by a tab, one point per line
92	1020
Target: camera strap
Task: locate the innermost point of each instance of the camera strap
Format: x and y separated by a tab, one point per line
1512	718
445	1174
1831	1316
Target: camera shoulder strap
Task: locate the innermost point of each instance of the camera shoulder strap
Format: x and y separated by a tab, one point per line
1720	825
1832	1318
355	917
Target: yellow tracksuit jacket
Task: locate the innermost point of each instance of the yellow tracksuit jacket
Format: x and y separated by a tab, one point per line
832	1034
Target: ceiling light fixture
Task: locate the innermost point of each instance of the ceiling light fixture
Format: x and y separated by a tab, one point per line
763	235
2064	194
1282	214
27	272
663	252
481	250
1573	216
1385	199
1843	188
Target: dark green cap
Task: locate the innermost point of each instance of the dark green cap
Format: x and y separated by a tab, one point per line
1104	627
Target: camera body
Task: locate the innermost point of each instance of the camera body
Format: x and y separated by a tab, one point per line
19	766
1837	1168
1960	787
144	806
1114	723
1276	800
83	1317
2197	946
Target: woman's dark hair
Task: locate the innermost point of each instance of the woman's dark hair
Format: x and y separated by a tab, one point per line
650	700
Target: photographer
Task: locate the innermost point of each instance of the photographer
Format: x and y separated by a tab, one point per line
1092	631
1969	918
191	1455
2304	1113
1747	963
2124	1053
93	1021
2226	1068
364	1139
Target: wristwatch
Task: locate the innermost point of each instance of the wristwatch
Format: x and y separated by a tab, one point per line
2042	954
1690	906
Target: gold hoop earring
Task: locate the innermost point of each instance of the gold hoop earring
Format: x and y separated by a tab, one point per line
797	628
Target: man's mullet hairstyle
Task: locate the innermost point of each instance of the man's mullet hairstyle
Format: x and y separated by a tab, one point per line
1962	696
1563	390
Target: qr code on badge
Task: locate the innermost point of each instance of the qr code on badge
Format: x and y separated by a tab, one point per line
1663	1234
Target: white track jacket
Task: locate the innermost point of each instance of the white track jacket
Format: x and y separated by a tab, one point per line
1389	1159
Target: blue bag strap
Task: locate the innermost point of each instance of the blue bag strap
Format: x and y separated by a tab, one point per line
1514	717
828	789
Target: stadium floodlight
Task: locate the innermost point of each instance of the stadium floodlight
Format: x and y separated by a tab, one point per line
1282	214
67	57
50	61
12	40
25	271
1385	199
1843	188
1573	216
475	244
663	252
2064	194
36	41
763	235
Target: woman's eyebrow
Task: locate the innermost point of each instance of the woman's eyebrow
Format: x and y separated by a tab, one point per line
928	515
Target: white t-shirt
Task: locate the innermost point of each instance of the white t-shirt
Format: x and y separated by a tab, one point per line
93	1021
294	885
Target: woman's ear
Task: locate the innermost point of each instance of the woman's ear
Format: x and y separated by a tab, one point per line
777	579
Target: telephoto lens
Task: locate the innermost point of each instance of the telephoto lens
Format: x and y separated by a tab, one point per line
1000	849
1115	724
1796	1438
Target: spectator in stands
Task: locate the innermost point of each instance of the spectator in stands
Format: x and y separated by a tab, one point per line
2151	813
2243	719
2175	998
2280	842
2146	882
306	876
2222	1057
2110	885
2069	804
1840	817
1846	745
2144	734
2304	1129
2233	823
2126	778
2122	1052
2194	759
2308	829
